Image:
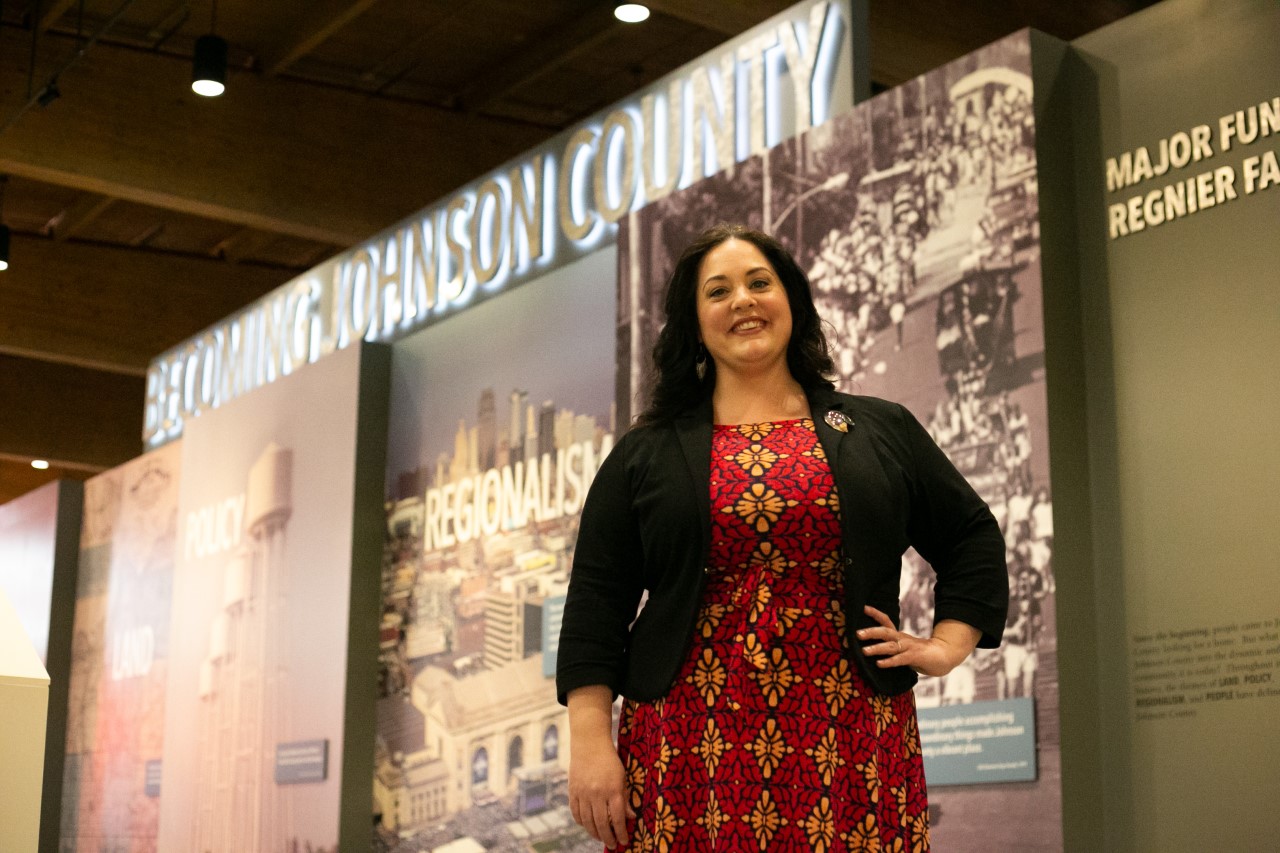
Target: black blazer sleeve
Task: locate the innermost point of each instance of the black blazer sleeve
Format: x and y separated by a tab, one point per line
606	582
952	528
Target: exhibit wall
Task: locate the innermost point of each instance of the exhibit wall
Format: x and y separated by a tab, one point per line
916	219
120	656
1176	145
336	601
267	586
24	707
499	418
28	536
38	542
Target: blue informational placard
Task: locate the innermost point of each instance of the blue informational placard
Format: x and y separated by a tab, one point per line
302	761
979	743
151	781
552	616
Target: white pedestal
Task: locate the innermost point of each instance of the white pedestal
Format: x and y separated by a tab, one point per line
24	703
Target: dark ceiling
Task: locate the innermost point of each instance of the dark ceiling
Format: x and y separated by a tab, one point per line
141	213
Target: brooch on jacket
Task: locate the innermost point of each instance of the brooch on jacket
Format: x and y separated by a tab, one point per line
838	420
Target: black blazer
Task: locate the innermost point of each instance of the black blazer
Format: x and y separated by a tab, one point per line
646	526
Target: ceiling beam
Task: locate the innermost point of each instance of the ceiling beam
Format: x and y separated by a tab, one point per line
323	20
143	238
278	155
68	414
570	36
17	477
244	243
115	309
909	37
83	211
718	16
168	23
57	470
56	10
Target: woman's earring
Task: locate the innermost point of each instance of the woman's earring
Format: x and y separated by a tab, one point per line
700	361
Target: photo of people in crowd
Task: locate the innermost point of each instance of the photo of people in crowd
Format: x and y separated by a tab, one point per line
915	217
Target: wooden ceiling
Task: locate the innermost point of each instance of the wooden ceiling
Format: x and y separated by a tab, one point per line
142	213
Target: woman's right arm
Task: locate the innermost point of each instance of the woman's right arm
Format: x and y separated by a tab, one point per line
605	584
597	779
604	591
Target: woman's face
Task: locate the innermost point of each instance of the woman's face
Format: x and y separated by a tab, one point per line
744	319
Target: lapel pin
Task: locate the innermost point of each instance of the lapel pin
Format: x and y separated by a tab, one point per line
838	420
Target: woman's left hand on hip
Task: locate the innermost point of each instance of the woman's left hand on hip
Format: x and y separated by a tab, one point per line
926	655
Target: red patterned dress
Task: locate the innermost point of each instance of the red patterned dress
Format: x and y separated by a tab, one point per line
770	739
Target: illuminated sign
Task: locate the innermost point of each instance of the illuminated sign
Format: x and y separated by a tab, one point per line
546	208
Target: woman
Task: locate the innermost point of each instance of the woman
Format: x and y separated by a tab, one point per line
765	516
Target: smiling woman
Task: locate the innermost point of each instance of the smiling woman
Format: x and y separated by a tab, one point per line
767	684
777	283
743	317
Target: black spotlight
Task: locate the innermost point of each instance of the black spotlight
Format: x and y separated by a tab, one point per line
209	74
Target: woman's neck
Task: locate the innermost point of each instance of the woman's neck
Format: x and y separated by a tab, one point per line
757	399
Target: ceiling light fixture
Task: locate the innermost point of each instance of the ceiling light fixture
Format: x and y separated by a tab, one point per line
631	13
40	464
209	71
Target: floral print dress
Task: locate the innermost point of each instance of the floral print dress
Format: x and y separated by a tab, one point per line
770	739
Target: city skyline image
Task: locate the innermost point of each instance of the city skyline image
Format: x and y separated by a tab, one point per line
494	437
552	339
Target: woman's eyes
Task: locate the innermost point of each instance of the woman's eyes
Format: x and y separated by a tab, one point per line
720	292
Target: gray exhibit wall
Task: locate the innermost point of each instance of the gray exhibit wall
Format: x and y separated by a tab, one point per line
1058	77
1175	143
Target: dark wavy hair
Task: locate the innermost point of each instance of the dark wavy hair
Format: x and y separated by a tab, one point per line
673	384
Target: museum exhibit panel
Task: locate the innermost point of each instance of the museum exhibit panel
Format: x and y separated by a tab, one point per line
320	610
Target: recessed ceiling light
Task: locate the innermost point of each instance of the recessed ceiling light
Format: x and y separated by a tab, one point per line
631	13
39	464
